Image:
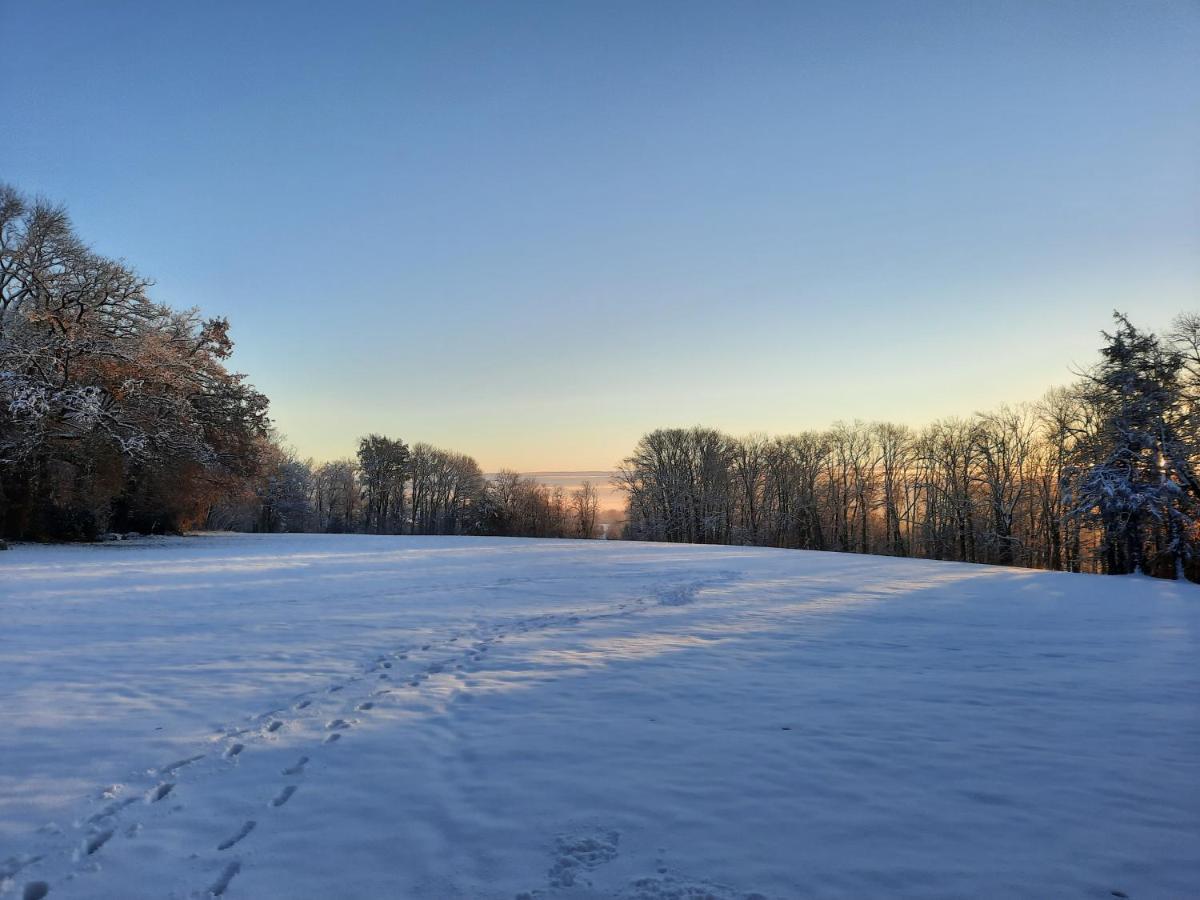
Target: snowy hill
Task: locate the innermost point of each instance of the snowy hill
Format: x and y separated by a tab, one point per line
353	716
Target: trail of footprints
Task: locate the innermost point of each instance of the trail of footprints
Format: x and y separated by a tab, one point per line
100	826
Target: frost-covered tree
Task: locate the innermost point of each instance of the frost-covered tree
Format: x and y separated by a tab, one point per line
115	410
285	495
1139	483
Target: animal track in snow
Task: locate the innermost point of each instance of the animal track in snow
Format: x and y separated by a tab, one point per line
160	792
338	725
274	726
35	890
241	834
234	750
284	796
336	736
304	704
367	705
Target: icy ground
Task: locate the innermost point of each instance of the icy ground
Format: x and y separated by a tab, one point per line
372	717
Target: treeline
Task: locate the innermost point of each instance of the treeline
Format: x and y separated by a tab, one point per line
116	412
1097	477
390	488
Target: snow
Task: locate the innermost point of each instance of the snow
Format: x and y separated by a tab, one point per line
352	716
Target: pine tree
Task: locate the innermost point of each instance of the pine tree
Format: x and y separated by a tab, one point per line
1138	484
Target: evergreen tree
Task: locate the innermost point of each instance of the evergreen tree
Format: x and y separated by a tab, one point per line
1139	485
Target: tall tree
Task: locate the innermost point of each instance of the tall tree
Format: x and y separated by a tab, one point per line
1141	487
383	468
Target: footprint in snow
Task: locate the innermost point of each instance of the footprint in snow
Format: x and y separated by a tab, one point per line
160	792
35	890
338	725
363	707
221	885
111	810
96	841
172	768
234	750
284	796
14	864
297	768
333	738
304	704
274	726
241	834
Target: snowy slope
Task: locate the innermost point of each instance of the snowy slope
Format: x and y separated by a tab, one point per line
374	717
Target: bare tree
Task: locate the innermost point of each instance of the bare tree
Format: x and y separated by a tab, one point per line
585	506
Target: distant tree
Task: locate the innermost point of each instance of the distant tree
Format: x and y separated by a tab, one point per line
585	506
286	495
1003	444
447	488
383	469
336	496
679	481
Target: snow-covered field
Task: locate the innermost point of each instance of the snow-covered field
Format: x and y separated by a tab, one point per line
374	717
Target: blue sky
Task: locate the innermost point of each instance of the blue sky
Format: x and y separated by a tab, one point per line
532	232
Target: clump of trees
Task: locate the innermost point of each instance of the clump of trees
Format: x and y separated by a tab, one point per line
116	412
390	488
1100	476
